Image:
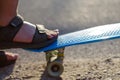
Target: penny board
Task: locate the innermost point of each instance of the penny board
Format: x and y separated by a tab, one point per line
90	35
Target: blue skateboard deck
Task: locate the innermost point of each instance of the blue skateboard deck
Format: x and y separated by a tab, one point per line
95	34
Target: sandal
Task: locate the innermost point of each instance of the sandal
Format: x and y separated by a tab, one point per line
4	61
7	34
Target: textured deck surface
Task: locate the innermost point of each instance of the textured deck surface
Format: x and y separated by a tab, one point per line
95	34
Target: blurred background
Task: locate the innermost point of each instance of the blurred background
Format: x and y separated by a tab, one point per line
70	15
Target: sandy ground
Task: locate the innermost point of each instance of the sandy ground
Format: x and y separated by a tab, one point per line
96	61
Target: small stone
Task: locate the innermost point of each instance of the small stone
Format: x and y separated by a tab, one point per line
78	75
108	79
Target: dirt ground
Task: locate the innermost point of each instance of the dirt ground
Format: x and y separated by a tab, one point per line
95	61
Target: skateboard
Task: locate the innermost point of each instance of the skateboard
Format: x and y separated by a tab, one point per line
55	51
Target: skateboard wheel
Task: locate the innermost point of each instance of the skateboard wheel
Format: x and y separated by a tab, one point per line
55	69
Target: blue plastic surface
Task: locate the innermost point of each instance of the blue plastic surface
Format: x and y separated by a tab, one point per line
94	34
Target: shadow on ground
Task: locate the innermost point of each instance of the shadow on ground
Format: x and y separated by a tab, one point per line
4	72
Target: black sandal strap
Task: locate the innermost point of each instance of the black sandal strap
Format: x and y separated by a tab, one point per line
40	35
8	33
17	21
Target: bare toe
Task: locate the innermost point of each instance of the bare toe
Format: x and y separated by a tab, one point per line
52	33
11	56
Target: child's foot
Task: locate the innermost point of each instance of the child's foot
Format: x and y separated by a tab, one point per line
26	35
7	58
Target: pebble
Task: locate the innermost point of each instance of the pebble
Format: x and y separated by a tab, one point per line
108	79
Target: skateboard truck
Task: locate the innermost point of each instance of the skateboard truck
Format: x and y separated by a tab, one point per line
54	60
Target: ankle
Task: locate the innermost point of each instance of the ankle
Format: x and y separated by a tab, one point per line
4	21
